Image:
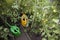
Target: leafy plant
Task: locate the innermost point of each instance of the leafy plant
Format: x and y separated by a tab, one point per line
46	20
4	33
9	11
44	15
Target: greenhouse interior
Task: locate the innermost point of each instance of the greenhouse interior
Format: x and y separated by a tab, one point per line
29	19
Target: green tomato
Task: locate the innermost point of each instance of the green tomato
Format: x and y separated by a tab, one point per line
15	30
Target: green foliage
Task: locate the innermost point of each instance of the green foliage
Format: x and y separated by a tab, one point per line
8	9
4	32
44	16
45	19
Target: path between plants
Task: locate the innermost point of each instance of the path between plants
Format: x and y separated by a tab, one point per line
24	35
